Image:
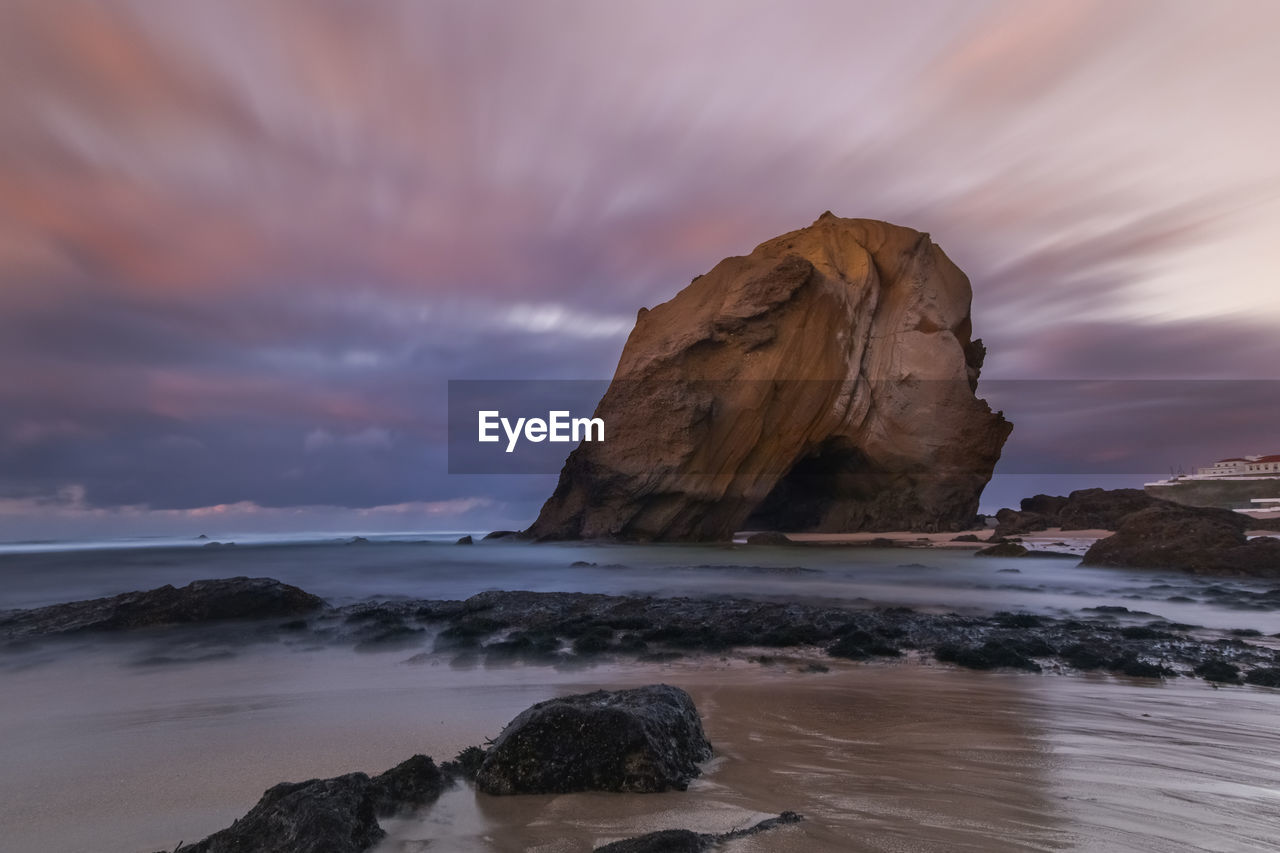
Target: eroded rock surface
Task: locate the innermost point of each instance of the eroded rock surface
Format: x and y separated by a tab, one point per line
642	740
825	382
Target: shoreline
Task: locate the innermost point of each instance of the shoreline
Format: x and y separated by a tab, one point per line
1040	540
821	691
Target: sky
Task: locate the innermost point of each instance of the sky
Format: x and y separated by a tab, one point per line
244	245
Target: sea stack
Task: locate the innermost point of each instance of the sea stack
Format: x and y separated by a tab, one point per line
825	382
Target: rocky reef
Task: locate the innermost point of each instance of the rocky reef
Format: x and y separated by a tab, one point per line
214	600
563	628
825	382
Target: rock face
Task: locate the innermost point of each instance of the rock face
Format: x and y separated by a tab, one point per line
338	815
642	740
1195	539
825	382
198	601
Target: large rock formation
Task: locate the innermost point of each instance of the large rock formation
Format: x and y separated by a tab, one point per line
824	382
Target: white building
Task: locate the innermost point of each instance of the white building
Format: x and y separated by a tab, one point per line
1243	466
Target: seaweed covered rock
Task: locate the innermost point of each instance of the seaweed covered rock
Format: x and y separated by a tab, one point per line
641	740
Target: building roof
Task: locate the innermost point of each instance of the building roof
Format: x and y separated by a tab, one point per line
1232	459
1272	458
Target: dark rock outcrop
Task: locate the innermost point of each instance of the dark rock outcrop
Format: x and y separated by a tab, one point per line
465	540
1268	676
338	815
1196	539
1101	509
687	841
825	382
641	740
1011	522
1084	509
198	601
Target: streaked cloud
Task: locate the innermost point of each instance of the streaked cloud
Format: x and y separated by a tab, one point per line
243	246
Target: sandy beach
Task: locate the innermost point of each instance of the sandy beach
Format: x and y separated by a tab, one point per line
878	757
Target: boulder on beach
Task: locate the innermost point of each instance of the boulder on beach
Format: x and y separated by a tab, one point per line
338	815
825	382
641	740
1202	540
198	601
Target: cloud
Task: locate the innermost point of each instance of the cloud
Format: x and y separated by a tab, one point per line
35	518
243	248
1229	348
368	438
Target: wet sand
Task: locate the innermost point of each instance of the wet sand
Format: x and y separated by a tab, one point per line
922	759
879	757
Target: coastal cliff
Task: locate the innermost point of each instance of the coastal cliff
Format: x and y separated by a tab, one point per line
825	382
